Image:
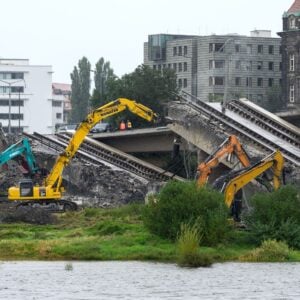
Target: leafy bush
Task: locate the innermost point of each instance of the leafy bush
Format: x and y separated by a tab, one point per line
188	246
184	202
269	251
276	216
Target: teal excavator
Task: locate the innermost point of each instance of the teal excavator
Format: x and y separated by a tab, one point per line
22	151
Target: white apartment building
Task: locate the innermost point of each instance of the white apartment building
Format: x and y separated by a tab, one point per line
26	102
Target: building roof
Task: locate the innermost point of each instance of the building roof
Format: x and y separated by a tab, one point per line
295	8
62	86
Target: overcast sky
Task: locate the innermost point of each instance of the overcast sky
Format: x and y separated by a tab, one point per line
60	32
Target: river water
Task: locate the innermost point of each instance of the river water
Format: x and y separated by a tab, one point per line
139	280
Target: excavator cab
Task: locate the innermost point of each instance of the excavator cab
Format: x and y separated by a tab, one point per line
26	188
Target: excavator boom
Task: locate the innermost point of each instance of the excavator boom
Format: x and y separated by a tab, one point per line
105	111
230	146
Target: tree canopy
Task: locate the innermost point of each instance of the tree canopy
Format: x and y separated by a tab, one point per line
80	96
153	88
103	73
150	87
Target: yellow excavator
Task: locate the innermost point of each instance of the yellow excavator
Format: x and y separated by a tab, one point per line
274	161
50	193
230	146
231	187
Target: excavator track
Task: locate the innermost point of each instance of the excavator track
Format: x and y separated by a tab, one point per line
50	205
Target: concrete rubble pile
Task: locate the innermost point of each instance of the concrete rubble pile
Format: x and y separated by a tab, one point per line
96	186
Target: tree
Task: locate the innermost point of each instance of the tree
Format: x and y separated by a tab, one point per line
80	90
151	87
103	73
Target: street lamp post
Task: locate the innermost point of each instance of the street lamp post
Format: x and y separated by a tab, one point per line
9	100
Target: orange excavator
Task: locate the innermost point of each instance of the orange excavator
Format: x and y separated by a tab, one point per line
230	146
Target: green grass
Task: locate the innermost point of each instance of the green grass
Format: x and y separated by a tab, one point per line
105	234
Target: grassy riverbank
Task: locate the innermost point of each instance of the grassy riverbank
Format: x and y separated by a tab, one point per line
98	234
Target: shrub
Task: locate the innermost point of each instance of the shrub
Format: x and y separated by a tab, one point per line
269	251
188	246
184	202
276	215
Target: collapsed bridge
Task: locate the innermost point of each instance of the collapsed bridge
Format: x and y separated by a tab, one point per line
203	124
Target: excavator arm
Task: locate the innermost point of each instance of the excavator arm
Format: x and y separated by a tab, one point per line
20	148
103	112
228	147
274	161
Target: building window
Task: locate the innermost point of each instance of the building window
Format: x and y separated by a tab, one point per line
259	65
249	81
159	67
180	67
56	103
270	82
12	116
174	51
249	49
154	67
260	82
5	75
58	115
216	64
175	67
216	47
292	22
185	50
237	48
180	51
271	49
237	81
5	102
280	66
218	80
185	68
17	75
238	64
260	49
17	89
280	82
292	93
259	98
184	82
249	65
169	66
180	83
292	62
271	66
